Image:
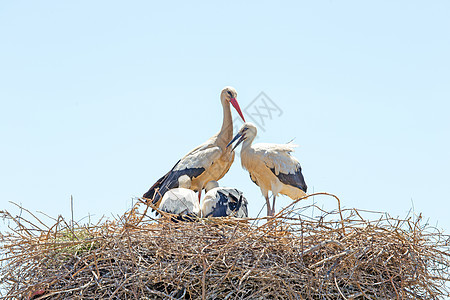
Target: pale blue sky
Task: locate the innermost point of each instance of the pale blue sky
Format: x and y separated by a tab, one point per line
100	98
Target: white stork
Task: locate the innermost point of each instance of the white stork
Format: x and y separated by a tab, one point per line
209	161
181	200
271	166
223	202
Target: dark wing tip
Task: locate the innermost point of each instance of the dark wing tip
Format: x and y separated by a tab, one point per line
296	180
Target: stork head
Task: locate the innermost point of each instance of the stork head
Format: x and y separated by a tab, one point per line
229	94
211	185
248	131
184	182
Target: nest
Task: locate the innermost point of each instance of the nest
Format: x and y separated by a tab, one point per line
341	254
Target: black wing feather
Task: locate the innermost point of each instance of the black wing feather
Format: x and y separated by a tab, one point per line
169	181
295	180
231	203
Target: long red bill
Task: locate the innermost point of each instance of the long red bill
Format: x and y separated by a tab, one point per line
236	106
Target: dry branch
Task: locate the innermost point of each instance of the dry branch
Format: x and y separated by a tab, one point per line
339	255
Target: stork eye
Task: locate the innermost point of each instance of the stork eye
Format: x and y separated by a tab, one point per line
229	93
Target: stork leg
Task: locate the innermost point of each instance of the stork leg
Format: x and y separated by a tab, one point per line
273	206
269	210
199	195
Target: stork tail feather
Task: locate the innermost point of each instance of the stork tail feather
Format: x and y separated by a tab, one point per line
157	191
153	194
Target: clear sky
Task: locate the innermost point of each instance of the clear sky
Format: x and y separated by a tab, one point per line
100	98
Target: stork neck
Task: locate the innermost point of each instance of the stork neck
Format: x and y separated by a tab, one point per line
247	143
226	132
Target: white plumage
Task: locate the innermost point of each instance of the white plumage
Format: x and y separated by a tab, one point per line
270	166
182	200
223	202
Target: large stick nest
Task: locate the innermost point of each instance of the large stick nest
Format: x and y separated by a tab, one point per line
338	255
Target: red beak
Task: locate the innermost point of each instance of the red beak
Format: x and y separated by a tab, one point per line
236	106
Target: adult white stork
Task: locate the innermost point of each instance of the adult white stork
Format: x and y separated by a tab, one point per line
209	161
271	166
223	202
182	200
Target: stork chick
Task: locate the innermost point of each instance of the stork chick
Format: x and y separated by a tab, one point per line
223	202
181	200
271	166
